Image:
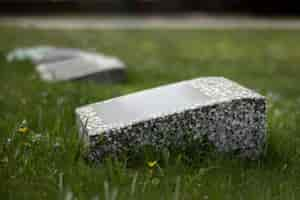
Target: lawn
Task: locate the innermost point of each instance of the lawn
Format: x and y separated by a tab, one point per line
46	161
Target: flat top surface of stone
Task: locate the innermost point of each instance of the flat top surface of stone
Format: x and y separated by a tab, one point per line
32	53
56	54
144	104
162	101
76	67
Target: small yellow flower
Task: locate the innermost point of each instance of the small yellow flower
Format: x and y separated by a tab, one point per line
23	130
152	164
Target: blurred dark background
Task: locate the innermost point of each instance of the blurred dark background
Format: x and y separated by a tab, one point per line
257	7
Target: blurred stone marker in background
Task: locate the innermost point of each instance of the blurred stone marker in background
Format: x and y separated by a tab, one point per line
227	115
86	66
32	54
55	55
63	64
42	54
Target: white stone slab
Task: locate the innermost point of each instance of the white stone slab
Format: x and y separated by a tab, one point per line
30	53
228	115
55	55
85	66
42	54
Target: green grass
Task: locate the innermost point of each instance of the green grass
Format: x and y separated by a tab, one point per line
44	163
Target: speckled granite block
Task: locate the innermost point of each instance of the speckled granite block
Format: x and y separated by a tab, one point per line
85	66
228	115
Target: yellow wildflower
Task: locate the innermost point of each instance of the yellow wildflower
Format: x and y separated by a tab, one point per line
23	130
152	164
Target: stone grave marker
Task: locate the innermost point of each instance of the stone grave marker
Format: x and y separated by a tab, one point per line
30	53
85	66
42	54
55	54
229	116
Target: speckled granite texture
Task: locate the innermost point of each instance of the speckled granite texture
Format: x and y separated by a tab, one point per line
229	116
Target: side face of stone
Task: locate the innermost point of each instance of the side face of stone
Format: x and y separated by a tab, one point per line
84	66
229	116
